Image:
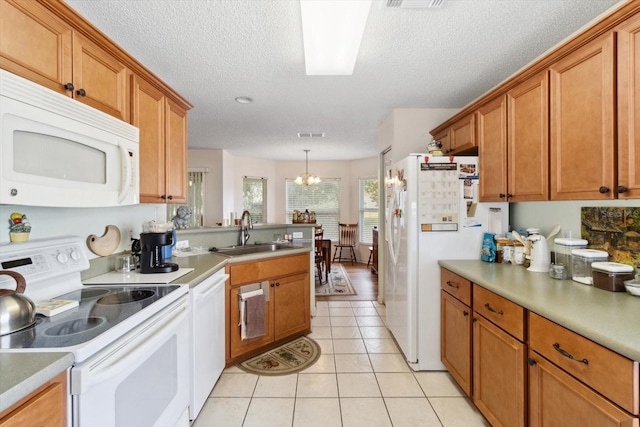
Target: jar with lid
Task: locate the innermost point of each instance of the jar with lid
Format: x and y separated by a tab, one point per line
563	248
581	260
611	276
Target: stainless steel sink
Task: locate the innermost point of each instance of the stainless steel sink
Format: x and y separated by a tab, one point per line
232	251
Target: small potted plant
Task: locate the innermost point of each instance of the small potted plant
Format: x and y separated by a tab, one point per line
19	227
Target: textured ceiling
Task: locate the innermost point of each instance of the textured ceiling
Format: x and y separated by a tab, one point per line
213	51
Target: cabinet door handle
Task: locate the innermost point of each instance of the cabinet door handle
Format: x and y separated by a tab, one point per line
81	92
622	189
502	195
163	197
453	285
531	361
170	197
277	283
68	86
465	313
568	355
509	195
272	285
603	189
493	310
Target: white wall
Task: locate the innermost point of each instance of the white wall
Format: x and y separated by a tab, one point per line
83	222
211	159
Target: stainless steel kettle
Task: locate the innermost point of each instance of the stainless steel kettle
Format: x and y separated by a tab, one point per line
17	311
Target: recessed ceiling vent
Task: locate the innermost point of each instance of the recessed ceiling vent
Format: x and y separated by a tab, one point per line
310	134
415	4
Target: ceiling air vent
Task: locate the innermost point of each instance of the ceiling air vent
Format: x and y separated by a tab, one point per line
310	134
415	4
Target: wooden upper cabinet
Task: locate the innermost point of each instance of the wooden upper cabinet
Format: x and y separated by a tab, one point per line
492	150
176	153
629	109
582	122
528	140
100	80
35	44
463	134
444	137
39	46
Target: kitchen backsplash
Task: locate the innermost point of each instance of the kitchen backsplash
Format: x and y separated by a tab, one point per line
615	230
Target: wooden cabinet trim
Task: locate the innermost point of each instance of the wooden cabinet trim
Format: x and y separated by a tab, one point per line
504	313
268	269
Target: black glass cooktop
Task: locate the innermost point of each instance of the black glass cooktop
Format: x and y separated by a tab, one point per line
99	309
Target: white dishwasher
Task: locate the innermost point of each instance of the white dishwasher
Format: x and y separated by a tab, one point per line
207	338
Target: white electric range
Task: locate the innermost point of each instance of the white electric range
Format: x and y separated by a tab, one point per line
130	342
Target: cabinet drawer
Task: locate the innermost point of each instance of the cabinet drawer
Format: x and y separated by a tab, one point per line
609	373
456	285
266	269
502	312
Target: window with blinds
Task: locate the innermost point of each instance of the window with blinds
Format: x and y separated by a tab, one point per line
323	198
368	208
254	198
195	198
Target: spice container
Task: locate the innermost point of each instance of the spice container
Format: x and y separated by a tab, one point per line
611	276
563	248
581	260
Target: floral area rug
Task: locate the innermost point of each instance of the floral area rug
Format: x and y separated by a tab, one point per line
338	283
288	358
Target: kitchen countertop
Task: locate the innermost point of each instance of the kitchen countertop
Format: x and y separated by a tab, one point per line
608	318
22	373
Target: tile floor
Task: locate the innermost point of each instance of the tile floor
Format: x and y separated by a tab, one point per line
361	379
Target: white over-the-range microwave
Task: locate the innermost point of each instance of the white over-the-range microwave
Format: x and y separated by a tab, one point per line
56	151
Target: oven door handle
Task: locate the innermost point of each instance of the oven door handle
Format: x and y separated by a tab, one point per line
107	364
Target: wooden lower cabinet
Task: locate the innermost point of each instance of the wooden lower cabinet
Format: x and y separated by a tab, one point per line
558	399
499	374
45	407
287	313
455	340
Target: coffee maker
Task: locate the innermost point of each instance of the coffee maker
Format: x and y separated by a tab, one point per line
151	259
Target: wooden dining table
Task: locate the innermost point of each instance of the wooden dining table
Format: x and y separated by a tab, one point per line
324	247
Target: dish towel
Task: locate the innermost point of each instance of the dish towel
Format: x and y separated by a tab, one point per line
252	314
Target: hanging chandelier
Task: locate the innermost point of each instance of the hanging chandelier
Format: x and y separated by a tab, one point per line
306	178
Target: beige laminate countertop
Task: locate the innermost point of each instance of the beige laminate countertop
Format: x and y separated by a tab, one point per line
611	319
22	373
206	264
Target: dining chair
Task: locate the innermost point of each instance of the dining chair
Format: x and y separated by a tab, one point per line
319	254
347	238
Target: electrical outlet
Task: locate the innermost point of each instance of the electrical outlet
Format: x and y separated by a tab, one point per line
182	244
297	234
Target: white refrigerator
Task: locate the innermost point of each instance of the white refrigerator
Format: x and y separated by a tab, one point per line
432	214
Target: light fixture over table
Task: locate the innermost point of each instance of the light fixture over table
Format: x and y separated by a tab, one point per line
332	31
306	178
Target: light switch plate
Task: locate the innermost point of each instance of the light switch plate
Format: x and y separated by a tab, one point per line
182	244
297	234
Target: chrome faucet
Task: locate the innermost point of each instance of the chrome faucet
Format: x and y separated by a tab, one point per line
245	224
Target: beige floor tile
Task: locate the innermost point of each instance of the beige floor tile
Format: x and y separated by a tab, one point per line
223	412
324	365
381	345
345	332
374	332
376	304
411	411
343	321
361	303
365	311
276	386
369	321
322	312
320	332
326	345
320	321
353	363
270	412
358	385
349	346
341	311
322	304
382	310
341	304
438	384
233	370
317	385
235	385
364	412
399	385
317	412
389	363
457	412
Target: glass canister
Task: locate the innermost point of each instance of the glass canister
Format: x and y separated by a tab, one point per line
563	247
581	260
